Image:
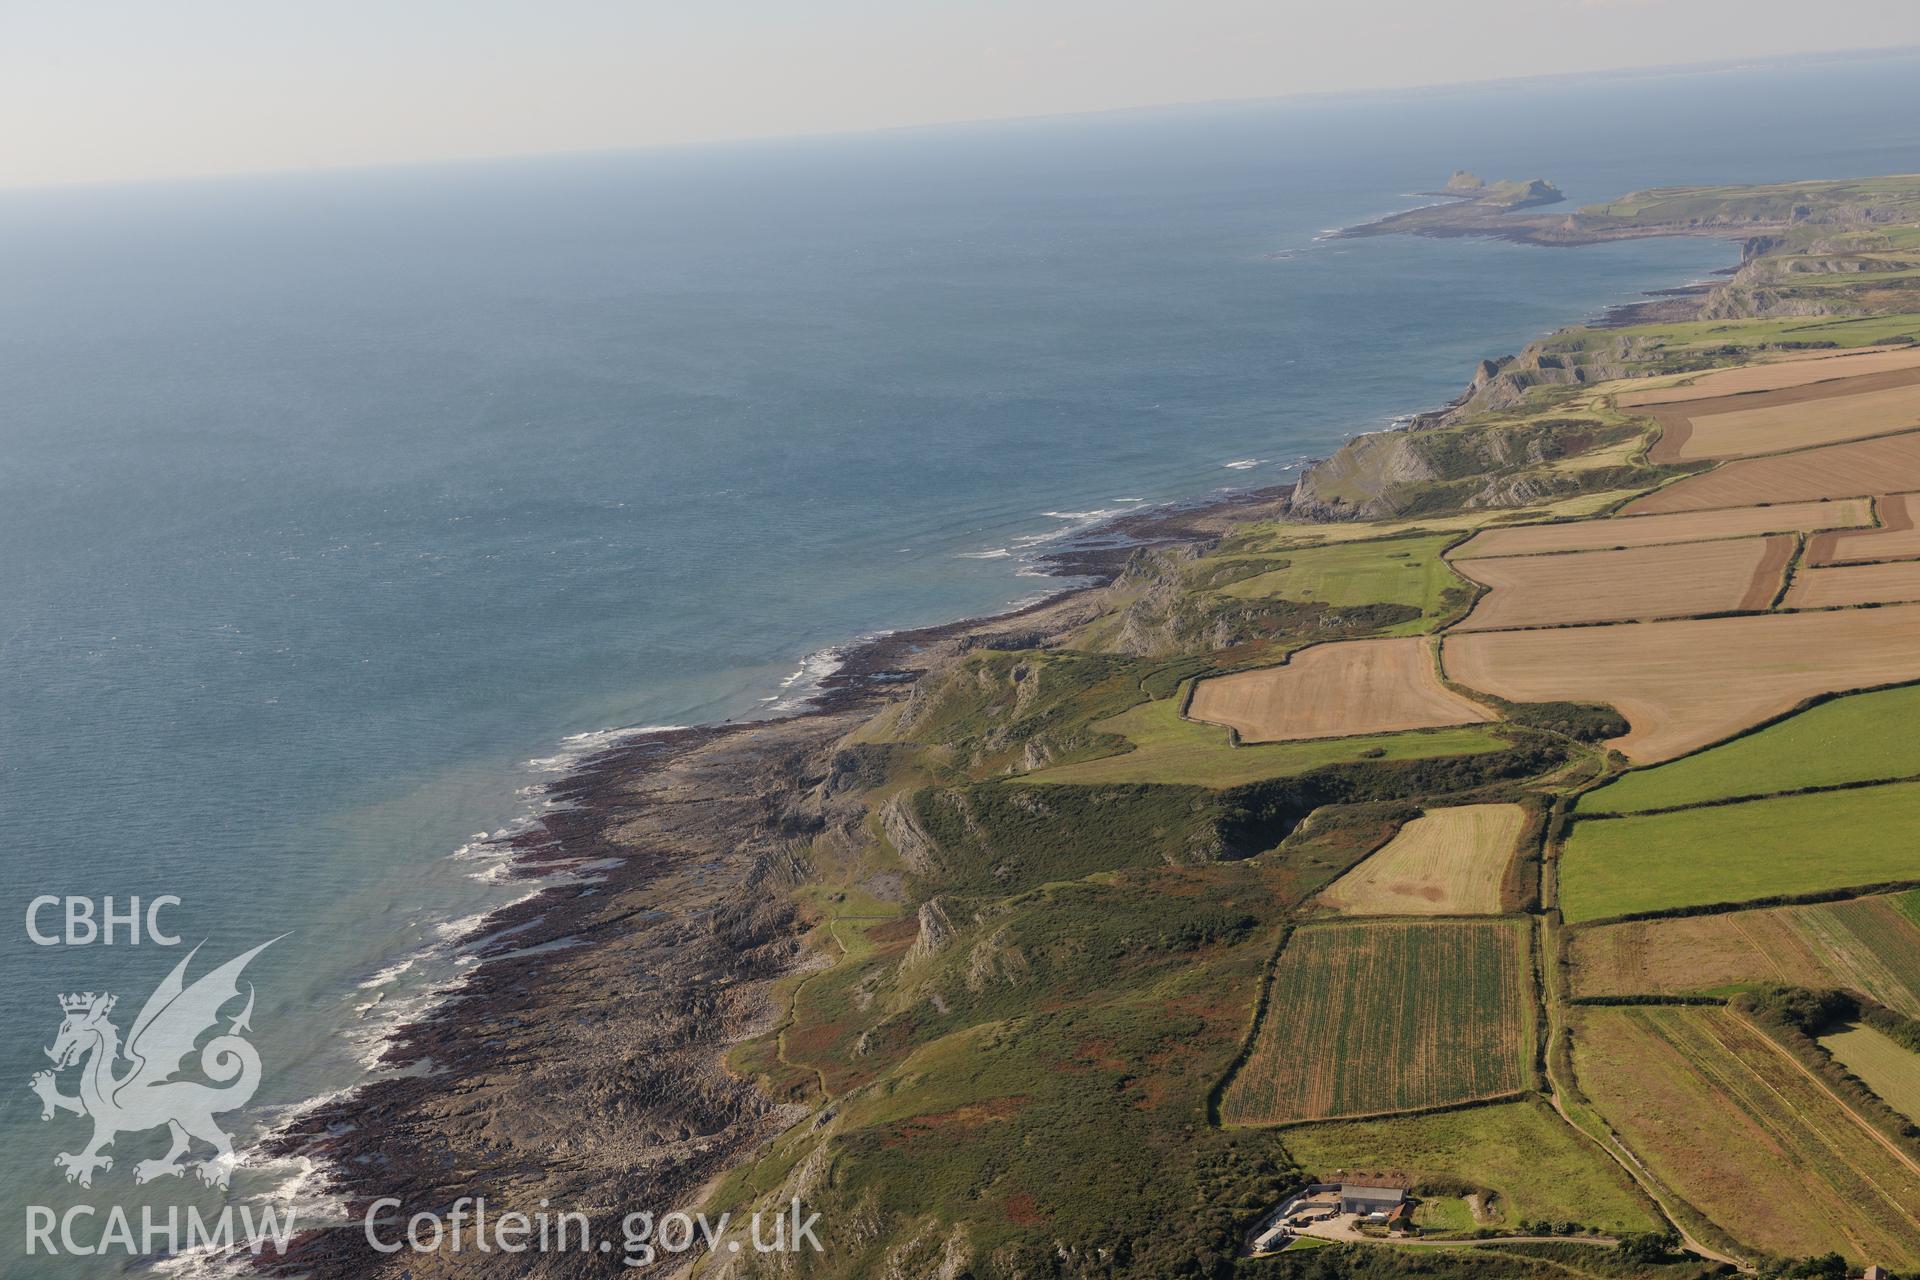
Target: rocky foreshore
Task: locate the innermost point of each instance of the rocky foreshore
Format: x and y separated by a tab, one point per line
581	1065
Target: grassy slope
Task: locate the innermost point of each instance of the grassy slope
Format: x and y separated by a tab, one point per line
1169	749
1700	337
1741	852
1031	1081
1536	1166
1400	571
1863	738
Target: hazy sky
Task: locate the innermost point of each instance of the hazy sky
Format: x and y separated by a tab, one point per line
94	90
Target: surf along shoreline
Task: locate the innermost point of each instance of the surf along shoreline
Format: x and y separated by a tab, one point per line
581	1062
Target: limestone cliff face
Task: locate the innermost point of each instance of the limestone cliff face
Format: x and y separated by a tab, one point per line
1401	473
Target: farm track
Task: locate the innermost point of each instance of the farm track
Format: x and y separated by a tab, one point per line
1730	540
1771	1153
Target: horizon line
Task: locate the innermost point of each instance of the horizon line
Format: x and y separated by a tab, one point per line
747	140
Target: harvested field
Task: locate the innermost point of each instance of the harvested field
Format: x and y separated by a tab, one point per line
1647	531
1861	469
1445	862
1685	685
1777	375
1737	1128
1334	690
1757	849
1776	421
1869	945
1893	583
1866	737
1896	539
1368	1019
1889	1068
1673	581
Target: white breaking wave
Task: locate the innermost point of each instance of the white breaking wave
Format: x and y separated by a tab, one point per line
805	681
1243	464
576	747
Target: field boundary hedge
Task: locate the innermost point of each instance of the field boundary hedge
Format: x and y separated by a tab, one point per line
1252	1037
1811	898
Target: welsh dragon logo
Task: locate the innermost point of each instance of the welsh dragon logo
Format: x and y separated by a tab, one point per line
146	1094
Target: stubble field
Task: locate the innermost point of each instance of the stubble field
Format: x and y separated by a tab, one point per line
1674	581
1862	469
1895	539
1685	685
1739	1130
1445	862
1870	945
1742	426
1895	583
1864	737
1777	375
1647	531
1335	690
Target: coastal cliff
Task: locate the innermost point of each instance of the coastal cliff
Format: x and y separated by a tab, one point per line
1808	251
964	955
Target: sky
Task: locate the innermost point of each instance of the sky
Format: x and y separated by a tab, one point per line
133	90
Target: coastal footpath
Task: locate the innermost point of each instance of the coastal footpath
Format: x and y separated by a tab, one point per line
1507	814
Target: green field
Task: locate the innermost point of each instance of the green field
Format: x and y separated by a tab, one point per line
1365	1019
1740	852
1405	571
1696	337
1534	1164
1889	1068
1857	739
1169	749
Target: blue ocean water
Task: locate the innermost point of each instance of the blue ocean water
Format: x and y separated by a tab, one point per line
333	505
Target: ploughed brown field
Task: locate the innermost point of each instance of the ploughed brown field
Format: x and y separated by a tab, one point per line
1647	531
1895	539
1334	690
1793	371
1673	581
1446	862
1860	469
1855	584
1684	685
1775	421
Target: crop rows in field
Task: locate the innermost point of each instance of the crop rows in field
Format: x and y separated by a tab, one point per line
1368	1019
1737	1128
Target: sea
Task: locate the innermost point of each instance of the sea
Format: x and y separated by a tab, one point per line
340	512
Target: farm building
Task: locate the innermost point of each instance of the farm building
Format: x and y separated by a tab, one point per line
1360	1198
